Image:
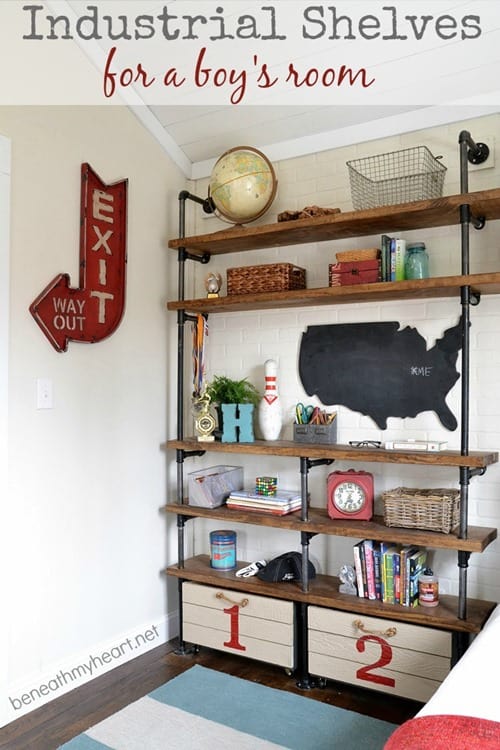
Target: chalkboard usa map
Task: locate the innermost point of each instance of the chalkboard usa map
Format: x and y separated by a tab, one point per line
380	370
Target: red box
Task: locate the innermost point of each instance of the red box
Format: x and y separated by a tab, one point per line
355	272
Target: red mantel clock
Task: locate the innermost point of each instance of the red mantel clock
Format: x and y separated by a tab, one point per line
350	495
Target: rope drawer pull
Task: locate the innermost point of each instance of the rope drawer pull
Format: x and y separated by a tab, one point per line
220	595
386	633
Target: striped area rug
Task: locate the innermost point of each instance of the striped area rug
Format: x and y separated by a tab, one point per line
203	709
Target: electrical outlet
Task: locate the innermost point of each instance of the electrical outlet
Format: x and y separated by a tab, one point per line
489	140
44	394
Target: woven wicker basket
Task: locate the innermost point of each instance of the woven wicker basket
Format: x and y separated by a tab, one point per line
348	256
271	277
434	509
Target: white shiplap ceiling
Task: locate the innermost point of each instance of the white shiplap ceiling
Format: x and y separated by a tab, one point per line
204	133
196	136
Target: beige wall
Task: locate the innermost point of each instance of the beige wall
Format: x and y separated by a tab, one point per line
85	539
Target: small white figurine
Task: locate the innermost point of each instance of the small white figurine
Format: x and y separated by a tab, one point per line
347	577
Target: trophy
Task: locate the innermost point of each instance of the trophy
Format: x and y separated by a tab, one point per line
204	421
213	283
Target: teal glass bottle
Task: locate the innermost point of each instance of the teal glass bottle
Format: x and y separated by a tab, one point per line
416	261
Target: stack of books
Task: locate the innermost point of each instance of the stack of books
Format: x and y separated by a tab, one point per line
392	255
388	572
283	502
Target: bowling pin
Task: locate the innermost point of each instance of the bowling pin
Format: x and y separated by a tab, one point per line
269	412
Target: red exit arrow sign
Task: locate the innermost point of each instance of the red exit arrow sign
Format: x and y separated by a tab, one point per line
92	312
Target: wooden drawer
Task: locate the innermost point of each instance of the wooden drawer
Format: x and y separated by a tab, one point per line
397	658
258	627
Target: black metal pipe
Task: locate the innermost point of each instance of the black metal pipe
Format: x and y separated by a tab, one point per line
464	139
465	380
304	493
304	540
207	203
474	153
181	273
463	563
465	216
465	219
459	645
304	490
181	320
180	476
181	255
182	645
304	680
180	540
180	370
464	502
469	152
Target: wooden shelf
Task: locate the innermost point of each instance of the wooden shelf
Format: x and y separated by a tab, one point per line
289	448
318	522
435	287
323	591
418	215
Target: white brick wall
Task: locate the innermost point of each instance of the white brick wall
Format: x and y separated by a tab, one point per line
240	343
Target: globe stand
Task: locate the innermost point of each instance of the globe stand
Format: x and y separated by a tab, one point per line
210	208
207	204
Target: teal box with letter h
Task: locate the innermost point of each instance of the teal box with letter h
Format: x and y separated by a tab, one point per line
237	423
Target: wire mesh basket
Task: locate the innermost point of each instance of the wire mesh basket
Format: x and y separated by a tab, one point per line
412	174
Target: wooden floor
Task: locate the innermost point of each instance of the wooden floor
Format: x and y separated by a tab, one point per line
57	722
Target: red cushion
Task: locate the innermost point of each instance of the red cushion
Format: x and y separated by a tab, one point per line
446	733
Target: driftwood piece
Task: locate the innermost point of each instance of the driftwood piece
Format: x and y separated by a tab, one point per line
306	213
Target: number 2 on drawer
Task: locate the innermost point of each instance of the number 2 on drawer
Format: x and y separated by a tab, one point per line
365	673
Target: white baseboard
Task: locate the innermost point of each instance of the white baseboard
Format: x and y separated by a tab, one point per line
58	679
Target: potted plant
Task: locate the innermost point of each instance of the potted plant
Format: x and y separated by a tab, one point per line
240	393
224	390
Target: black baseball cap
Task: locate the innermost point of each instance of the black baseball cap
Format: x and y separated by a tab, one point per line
286	567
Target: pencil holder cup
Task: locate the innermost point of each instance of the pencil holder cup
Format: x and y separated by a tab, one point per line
315	433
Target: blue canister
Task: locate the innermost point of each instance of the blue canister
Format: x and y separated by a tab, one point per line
223	549
416	261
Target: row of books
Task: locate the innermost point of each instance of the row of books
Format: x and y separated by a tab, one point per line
280	504
392	258
388	572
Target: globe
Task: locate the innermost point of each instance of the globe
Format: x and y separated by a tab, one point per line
242	184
